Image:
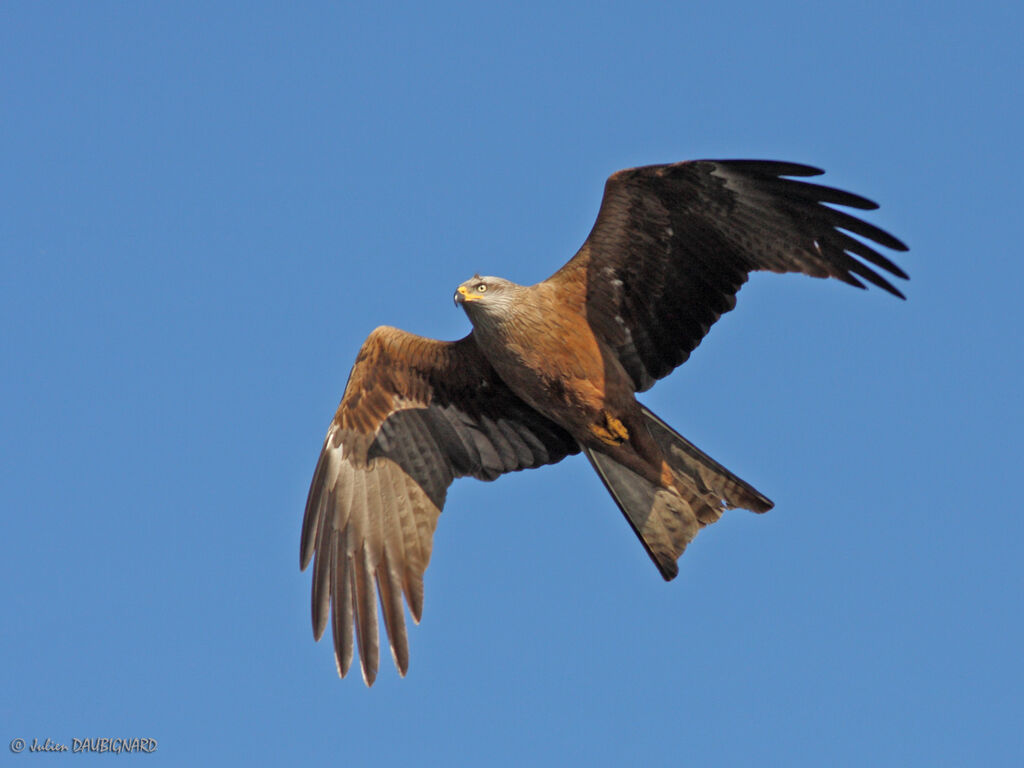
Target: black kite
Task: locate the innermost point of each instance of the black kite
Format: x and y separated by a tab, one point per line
552	369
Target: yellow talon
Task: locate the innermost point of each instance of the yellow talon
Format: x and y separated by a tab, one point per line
612	432
617	428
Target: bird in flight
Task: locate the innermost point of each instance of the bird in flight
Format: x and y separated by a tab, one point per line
552	369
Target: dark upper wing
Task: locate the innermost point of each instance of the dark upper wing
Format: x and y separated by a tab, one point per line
673	244
416	414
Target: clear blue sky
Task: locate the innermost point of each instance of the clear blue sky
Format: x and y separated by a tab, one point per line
205	208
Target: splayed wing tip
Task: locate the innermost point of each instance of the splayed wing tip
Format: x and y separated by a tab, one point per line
369	677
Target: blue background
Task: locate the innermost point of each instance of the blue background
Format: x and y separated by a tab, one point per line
205	208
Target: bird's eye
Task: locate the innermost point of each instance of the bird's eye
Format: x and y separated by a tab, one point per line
481	288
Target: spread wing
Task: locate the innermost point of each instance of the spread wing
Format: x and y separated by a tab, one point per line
416	414
673	244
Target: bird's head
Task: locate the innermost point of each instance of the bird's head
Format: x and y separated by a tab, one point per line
484	295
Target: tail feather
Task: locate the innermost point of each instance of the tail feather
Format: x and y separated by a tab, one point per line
667	519
661	519
710	479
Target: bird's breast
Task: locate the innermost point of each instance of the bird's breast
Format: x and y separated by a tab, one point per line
554	363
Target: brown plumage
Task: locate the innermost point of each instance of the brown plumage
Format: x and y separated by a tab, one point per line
552	369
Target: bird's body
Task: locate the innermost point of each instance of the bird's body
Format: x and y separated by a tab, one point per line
552	369
587	379
588	393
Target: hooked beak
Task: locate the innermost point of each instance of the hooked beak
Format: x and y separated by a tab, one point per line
462	294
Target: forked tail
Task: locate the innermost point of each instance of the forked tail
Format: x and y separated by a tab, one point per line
667	519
